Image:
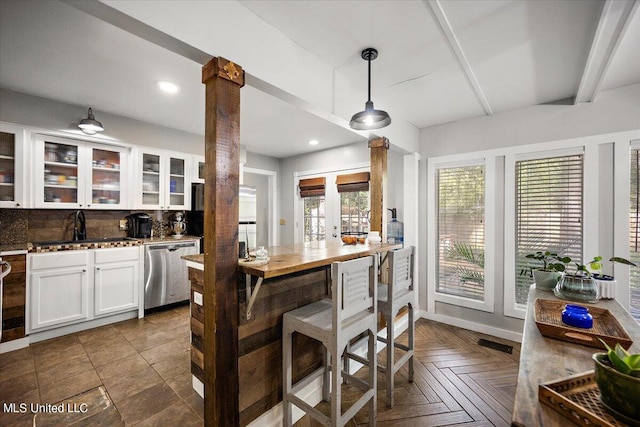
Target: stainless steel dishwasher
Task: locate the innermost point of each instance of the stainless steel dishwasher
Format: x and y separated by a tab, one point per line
165	274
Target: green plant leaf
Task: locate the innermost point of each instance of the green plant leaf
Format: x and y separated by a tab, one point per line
633	360
618	363
622	261
620	351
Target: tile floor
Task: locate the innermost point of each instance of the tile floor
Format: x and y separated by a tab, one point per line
141	366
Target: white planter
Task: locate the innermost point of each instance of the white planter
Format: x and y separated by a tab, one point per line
607	287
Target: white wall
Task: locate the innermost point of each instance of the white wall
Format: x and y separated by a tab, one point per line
334	159
23	109
613	111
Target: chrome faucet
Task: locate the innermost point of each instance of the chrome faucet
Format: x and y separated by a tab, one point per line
79	227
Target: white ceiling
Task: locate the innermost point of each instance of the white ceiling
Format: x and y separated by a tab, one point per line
440	61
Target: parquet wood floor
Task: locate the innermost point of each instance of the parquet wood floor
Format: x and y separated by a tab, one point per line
456	382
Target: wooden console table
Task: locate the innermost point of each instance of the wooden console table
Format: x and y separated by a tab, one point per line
545	359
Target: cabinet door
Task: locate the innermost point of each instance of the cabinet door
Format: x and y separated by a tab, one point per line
60	173
150	186
57	296
13	171
179	183
116	287
107	178
198	169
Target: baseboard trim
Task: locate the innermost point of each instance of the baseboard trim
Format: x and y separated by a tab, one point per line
473	326
13	345
82	326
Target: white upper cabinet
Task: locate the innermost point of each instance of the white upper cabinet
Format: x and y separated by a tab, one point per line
75	174
198	169
13	167
163	181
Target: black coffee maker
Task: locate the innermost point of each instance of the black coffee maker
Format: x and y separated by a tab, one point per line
139	225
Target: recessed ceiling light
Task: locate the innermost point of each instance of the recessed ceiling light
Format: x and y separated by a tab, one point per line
168	87
314	142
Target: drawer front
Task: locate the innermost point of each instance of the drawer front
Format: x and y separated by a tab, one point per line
117	254
58	259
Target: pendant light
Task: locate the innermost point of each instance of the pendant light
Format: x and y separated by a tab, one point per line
370	118
90	125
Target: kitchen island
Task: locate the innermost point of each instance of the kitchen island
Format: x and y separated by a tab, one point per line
295	276
544	360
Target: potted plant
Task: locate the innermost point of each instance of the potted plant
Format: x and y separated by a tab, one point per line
578	285
606	283
617	374
549	270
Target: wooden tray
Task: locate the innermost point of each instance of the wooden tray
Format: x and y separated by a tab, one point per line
577	398
548	317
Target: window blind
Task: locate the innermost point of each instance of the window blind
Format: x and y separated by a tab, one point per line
460	223
312	187
634	232
549	212
353	182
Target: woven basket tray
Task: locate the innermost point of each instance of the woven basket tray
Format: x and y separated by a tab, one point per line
548	317
577	398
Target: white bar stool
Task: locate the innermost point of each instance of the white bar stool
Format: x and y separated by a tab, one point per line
350	312
392	297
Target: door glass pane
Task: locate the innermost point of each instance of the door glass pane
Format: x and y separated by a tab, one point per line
201	170
354	213
60	173
7	166
314	219
105	183
150	179
460	223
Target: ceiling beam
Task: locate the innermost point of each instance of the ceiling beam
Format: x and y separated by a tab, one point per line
614	20
456	48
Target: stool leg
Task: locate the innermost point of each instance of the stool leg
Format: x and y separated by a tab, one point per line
287	377
390	350
326	376
411	341
336	391
373	379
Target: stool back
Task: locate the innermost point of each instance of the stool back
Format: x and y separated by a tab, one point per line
400	271
354	287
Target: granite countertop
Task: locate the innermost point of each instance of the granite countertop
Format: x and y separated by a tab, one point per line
13	248
53	247
169	238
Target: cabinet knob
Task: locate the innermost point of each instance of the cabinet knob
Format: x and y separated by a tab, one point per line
17	204
98	268
168	207
87	206
84	270
80	205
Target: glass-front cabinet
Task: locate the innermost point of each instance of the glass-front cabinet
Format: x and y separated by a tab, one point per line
163	182
12	166
75	174
198	169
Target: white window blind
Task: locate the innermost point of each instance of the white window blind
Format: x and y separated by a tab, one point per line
460	227
634	233
549	213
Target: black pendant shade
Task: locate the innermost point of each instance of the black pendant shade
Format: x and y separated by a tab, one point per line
90	125
370	118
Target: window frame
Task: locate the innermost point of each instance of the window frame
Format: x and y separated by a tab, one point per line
487	303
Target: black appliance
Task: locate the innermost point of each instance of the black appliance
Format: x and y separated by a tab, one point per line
139	225
195	218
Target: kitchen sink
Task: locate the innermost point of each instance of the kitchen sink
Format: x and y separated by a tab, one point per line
71	242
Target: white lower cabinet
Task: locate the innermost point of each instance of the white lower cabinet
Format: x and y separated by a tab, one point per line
68	287
59	296
116	278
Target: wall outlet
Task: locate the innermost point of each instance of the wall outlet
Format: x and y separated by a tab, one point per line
197	297
283	221
123	224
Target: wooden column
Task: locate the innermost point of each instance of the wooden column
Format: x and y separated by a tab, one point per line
378	190
223	80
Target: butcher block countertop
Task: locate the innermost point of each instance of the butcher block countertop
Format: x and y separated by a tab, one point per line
296	258
544	359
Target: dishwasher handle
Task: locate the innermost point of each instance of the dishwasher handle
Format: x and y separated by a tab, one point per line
171	246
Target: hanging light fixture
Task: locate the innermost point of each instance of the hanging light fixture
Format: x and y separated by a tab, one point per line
90	125
370	118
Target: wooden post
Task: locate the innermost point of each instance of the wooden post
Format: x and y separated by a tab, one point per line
223	80
378	191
